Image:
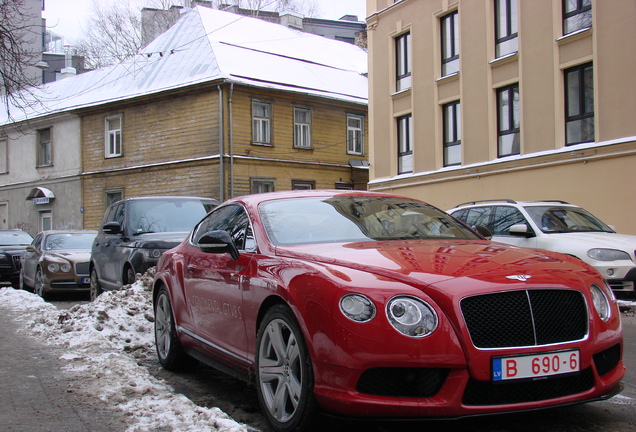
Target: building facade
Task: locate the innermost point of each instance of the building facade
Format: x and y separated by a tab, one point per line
504	99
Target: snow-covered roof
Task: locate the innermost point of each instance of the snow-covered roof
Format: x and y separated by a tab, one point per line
207	45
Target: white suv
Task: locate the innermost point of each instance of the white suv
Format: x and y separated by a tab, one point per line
560	227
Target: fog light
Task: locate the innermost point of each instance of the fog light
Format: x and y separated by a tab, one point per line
610	272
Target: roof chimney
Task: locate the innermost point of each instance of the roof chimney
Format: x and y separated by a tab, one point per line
68	70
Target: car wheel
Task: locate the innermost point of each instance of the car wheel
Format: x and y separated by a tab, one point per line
171	354
95	289
21	284
283	371
39	284
129	276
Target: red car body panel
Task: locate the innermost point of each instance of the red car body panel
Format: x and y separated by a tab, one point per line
221	300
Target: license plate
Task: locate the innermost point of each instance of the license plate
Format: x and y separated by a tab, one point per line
86	280
535	365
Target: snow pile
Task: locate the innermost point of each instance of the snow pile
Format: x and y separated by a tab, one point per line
105	341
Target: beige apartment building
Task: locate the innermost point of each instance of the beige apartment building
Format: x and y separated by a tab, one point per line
487	99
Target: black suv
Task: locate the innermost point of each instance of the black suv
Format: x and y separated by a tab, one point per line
136	231
12	244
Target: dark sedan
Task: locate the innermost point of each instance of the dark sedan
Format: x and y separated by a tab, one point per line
12	244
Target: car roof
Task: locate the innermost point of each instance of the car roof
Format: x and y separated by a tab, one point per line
256	199
167	197
69	231
481	203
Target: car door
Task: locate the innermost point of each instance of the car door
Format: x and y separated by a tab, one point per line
106	249
214	284
30	261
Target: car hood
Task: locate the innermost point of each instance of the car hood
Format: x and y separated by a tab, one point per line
13	249
72	255
163	240
425	263
598	240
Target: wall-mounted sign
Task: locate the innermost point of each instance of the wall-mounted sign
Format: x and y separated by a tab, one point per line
42	200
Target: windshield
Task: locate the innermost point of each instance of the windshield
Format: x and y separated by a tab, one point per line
555	219
15	239
166	215
69	241
351	219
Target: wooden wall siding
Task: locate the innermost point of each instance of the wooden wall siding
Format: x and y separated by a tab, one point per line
329	127
194	179
325	177
180	127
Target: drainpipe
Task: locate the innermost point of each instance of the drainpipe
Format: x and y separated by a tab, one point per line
221	148
231	138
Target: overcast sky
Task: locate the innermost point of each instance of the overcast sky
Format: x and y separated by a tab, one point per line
66	17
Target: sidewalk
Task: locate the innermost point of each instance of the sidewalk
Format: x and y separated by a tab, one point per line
36	395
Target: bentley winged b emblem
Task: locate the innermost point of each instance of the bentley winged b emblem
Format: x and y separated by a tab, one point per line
521	278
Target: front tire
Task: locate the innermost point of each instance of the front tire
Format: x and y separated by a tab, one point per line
171	354
95	289
39	284
129	276
284	372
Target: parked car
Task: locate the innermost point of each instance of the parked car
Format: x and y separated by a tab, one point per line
57	260
560	227
374	305
12	244
135	231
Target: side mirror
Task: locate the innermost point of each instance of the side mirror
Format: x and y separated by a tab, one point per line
30	248
112	228
485	232
521	230
218	242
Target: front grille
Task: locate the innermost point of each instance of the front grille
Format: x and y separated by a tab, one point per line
17	261
607	360
82	268
402	382
480	393
525	318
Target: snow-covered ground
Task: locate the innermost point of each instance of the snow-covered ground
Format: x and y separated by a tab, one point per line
106	339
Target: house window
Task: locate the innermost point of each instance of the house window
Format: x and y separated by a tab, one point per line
506	41
303	184
340	185
355	134
405	143
450	43
112	196
45	149
577	15
262	185
452	134
403	61
113	145
261	122
4	168
302	128
508	120
579	104
46	221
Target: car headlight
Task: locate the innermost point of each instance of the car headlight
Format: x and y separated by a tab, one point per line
411	316
56	267
151	254
601	302
608	254
357	307
4	257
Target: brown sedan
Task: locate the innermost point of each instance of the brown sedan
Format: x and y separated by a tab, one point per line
57	260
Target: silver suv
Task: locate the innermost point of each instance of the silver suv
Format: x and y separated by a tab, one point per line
560	227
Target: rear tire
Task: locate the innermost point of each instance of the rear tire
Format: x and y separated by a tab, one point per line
171	354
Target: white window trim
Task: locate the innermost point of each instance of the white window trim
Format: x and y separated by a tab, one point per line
302	130
352	145
258	122
108	133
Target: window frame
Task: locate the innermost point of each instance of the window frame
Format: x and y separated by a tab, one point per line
262	125
303	184
453	124
109	195
113	138
355	140
581	9
583	114
450	62
512	117
403	62
44	148
302	130
504	37
405	143
257	184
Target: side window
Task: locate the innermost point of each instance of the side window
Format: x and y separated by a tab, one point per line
37	241
232	219
477	216
505	217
